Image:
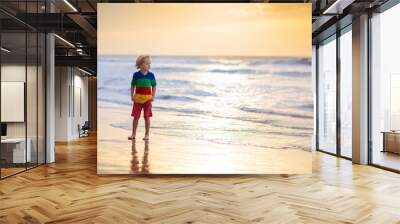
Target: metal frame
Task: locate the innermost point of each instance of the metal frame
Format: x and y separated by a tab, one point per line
26	89
339	32
316	97
44	74
37	91
317	87
369	81
338	76
0	94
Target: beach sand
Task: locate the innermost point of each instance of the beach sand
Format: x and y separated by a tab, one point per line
179	155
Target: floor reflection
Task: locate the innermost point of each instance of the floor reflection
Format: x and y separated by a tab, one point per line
135	163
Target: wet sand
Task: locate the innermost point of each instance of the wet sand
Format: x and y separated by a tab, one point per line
178	155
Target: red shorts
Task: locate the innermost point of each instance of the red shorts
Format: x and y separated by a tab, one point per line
137	109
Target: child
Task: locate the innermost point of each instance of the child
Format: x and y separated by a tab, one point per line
143	90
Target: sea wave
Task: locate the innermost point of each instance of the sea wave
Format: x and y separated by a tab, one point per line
292	74
289	72
279	61
272	112
177	98
181	110
253	96
184	133
197	92
159	69
235	71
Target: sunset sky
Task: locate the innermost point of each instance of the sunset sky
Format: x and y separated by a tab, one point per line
200	29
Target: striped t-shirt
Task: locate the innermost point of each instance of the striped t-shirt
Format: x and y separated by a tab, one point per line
143	84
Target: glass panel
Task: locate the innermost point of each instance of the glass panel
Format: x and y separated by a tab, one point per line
314	88
13	87
31	98
23	89
32	90
346	93
327	96
385	93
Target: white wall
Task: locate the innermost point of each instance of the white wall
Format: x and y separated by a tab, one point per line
12	73
33	127
13	101
71	94
80	109
62	81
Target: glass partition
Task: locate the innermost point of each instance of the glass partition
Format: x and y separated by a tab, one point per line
13	114
327	95
31	97
32	86
22	101
346	93
385	89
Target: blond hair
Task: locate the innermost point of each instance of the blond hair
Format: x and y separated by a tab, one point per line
140	60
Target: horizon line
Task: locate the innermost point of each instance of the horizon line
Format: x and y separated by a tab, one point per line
226	56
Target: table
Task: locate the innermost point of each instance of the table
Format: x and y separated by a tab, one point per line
18	149
391	141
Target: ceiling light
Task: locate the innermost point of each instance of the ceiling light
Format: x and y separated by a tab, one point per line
84	71
5	50
70	5
337	7
64	40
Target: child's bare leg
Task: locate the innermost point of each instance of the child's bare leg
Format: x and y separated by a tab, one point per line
147	127
134	127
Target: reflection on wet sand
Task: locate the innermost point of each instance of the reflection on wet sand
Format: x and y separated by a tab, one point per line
180	155
135	164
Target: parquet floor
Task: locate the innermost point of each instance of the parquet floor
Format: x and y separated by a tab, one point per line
70	191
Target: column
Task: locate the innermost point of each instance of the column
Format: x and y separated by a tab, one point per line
360	90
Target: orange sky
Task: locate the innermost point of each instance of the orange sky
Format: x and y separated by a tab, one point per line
205	29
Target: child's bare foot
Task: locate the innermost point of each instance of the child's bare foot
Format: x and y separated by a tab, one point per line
131	137
146	138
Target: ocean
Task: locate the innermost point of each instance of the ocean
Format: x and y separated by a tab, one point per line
262	102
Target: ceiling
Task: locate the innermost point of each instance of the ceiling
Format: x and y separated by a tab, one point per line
75	21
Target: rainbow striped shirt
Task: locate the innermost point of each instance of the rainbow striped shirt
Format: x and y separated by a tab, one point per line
143	84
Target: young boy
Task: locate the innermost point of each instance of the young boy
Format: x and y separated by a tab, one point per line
143	90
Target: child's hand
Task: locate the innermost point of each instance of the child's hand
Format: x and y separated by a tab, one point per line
132	98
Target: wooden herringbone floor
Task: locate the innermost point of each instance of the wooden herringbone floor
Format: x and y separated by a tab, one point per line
69	191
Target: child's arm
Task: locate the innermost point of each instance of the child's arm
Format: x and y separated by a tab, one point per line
153	92
132	91
153	87
133	85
